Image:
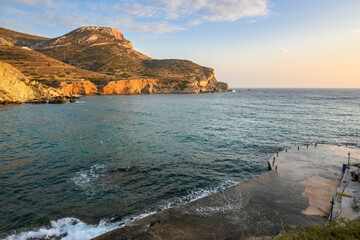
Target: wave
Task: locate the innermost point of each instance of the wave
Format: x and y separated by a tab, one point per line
71	228
196	195
67	229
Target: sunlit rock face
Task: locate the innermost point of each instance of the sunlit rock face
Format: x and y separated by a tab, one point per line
83	88
12	87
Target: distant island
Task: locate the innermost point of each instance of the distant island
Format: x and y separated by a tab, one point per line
88	61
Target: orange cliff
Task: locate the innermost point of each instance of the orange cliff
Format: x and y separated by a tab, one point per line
135	86
83	88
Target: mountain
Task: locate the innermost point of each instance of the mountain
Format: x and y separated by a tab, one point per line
101	59
97	49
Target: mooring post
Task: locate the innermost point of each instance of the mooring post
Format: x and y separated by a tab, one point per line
349	159
332	206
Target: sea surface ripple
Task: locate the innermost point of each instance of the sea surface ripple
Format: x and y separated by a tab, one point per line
77	170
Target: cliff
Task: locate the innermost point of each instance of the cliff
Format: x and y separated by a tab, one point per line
16	88
12	88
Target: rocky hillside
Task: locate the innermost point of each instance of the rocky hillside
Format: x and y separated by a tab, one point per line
112	64
39	67
16	88
97	49
9	37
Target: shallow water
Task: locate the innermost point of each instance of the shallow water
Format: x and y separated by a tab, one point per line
141	154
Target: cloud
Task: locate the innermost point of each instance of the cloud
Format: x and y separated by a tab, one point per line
252	21
47	3
283	50
195	22
215	10
157	16
356	30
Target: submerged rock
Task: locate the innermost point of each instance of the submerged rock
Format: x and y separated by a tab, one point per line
57	100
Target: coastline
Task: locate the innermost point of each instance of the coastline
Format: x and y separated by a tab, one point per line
261	206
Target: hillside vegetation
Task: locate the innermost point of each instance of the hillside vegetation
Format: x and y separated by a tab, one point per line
341	229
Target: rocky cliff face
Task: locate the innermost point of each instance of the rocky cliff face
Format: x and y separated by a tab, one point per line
15	87
82	88
12	87
134	86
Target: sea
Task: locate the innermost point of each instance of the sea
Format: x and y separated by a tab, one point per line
75	171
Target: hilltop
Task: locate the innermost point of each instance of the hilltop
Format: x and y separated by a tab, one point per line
99	60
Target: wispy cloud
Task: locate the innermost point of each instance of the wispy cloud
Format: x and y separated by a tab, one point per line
157	16
34	3
356	30
283	50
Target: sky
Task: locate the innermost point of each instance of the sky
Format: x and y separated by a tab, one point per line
249	43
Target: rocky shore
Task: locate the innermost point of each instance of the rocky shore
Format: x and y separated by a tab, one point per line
297	192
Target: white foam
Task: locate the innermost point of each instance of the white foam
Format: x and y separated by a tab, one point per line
75	229
86	178
67	229
196	195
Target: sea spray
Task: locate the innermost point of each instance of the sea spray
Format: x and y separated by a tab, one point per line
67	229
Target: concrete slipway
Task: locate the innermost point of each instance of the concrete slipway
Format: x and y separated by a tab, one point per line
298	193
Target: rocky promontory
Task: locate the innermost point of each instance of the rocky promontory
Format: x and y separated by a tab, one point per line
99	60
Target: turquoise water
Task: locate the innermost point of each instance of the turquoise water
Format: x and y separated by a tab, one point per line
78	170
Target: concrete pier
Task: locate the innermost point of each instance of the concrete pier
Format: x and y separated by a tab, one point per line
297	193
347	198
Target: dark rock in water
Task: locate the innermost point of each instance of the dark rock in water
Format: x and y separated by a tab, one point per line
36	101
7	102
57	100
124	169
72	100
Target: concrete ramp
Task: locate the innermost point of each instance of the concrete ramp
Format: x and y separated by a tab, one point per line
298	193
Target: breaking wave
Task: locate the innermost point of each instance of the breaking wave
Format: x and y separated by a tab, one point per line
74	229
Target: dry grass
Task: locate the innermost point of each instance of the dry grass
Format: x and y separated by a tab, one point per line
39	67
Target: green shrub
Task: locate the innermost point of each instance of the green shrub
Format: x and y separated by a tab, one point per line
340	229
125	75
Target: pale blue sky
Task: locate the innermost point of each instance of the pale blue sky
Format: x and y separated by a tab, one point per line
250	43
